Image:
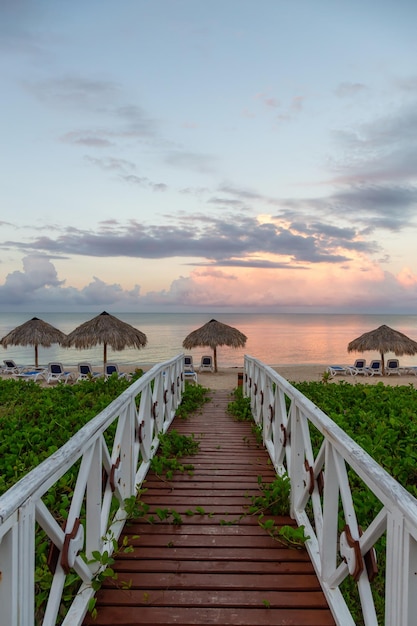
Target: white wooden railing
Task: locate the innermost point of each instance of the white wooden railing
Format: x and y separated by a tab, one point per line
321	496
111	456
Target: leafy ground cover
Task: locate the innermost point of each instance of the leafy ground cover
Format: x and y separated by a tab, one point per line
35	421
383	421
380	418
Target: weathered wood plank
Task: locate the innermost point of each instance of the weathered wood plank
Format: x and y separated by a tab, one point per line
218	566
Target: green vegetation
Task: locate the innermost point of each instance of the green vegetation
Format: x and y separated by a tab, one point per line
173	446
240	408
36	421
381	419
274	497
194	397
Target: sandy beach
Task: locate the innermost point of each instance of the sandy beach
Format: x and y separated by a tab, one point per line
227	378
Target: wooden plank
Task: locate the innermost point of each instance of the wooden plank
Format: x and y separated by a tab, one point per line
218	566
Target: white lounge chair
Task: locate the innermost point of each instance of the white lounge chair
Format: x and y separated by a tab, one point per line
375	368
189	371
334	370
34	375
85	372
359	367
393	367
10	367
113	368
56	373
206	364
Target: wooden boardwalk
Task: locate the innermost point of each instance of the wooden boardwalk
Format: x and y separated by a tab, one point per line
219	566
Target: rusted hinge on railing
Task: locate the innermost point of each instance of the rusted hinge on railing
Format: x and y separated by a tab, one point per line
309	476
114	474
141	427
73	544
283	436
350	551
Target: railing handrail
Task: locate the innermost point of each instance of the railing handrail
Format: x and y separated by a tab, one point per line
39	476
364	464
322	501
112	466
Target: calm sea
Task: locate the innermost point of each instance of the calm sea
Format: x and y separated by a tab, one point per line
274	339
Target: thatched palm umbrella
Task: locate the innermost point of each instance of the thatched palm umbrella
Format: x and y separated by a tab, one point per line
34	332
108	330
384	339
215	334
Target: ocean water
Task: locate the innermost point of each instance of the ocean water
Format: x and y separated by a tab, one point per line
274	339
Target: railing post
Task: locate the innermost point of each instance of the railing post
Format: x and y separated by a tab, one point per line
410	579
9	574
396	583
26	563
94	529
296	466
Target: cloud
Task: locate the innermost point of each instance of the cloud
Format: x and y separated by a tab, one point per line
38	273
382	150
74	91
275	290
111	164
230	238
86	138
37	287
191	161
346	89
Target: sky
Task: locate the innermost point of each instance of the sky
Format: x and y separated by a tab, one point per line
195	155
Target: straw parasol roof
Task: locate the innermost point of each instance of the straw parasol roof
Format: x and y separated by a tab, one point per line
384	339
34	332
215	334
108	330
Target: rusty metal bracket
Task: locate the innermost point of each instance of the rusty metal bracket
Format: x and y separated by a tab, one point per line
73	544
141	427
370	561
350	551
283	436
309	476
114	474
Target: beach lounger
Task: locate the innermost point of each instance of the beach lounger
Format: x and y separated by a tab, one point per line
56	373
10	367
189	371
206	364
34	375
375	368
113	368
334	370
85	372
393	367
359	367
